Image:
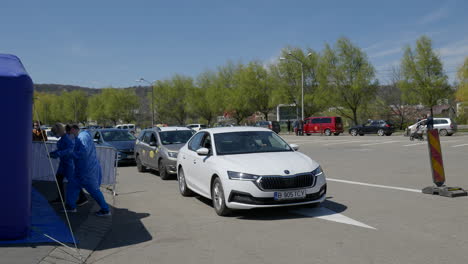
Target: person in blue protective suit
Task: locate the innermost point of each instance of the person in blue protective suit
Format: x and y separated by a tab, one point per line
65	147
87	174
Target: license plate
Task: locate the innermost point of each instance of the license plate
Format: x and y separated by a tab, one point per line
288	195
130	156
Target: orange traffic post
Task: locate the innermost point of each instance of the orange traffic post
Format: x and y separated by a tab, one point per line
437	168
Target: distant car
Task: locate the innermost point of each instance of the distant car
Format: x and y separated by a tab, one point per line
272	125
446	126
248	167
196	127
51	136
158	148
379	127
129	127
325	125
122	140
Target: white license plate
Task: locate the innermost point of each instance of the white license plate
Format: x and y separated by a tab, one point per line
288	195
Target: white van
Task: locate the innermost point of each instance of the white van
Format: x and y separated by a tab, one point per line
129	127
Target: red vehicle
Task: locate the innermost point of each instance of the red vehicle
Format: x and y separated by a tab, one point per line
324	124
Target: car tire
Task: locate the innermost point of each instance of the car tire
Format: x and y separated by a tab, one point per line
388	134
353	132
327	132
381	132
139	165
308	134
217	196
336	134
443	132
183	188
163	171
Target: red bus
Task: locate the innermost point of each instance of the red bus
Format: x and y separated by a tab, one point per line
325	124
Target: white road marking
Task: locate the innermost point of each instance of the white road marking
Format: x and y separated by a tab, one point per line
415	144
461	145
329	215
375	185
379	143
346	142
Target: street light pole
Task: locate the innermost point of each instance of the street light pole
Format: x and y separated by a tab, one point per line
152	99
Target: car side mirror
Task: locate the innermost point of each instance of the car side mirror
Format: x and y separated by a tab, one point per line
153	143
203	151
294	147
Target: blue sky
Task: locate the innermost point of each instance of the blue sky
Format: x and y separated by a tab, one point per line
111	43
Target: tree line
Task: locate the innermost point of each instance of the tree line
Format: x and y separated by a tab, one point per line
339	79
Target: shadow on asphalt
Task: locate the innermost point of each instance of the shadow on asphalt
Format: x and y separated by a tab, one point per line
278	213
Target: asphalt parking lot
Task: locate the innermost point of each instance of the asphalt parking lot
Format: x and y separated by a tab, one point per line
374	213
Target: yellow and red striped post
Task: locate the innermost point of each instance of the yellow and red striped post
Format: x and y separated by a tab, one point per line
435	156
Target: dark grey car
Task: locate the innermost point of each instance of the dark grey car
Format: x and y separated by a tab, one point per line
119	139
158	148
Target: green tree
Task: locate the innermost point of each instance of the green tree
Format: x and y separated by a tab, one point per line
205	101
346	78
424	80
171	99
47	108
75	104
462	75
96	109
114	105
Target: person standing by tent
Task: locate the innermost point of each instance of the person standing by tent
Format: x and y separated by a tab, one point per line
37	133
65	147
87	174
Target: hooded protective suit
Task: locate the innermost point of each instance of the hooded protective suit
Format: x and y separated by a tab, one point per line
65	147
87	174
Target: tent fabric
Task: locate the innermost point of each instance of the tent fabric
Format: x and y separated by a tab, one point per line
44	220
16	103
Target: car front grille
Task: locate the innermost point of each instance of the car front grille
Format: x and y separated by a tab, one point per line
286	182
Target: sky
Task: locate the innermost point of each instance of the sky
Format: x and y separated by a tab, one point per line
112	42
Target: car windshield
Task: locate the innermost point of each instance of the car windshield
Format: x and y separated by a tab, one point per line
249	142
175	137
118	135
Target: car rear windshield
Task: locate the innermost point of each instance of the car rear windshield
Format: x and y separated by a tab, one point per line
249	142
117	135
175	137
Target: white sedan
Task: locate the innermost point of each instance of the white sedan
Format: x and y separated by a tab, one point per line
247	167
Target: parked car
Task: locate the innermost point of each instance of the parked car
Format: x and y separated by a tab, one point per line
446	126
248	167
51	136
325	125
122	140
158	148
129	127
379	127
196	127
272	125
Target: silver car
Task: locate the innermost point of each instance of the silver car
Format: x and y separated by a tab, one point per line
446	126
158	148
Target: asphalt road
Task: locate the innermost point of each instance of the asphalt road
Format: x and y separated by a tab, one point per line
373	214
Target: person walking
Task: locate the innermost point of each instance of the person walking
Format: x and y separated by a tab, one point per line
38	134
301	127
88	174
296	127
430	122
65	147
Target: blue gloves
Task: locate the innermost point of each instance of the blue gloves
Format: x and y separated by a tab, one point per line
53	155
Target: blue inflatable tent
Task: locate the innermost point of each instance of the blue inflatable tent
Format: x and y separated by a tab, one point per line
15	164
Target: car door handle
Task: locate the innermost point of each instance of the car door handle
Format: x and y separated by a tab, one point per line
194	161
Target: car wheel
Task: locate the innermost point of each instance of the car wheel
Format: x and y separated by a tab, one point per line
388	134
184	190
336	134
217	196
308	134
381	132
140	166
411	138
443	132
354	132
327	132
162	171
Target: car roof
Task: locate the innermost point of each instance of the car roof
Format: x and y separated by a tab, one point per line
162	129
218	130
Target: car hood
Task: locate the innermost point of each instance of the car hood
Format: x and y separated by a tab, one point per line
274	163
120	145
174	147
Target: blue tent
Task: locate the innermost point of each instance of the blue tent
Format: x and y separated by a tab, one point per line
16	89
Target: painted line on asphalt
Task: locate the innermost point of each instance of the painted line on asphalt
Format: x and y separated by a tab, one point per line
461	145
346	142
375	185
380	143
330	215
415	144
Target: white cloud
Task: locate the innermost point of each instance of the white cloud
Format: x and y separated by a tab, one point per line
433	16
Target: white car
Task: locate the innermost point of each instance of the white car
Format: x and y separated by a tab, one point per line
446	126
248	167
197	127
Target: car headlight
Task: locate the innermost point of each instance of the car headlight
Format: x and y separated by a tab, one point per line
318	171
172	154
242	176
